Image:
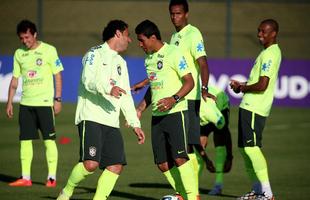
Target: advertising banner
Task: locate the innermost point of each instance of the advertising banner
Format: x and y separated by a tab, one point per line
292	89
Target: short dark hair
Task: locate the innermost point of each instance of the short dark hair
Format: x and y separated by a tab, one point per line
179	2
273	23
25	25
148	29
110	30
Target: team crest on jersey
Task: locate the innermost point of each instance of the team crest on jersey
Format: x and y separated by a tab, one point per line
176	43
39	62
160	64
152	76
92	151
119	69
32	74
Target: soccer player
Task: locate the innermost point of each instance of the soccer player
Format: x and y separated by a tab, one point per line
37	63
170	81
255	108
214	117
189	39
104	90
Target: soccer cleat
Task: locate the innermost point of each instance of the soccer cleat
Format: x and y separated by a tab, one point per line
50	183
21	183
62	196
264	197
248	196
216	190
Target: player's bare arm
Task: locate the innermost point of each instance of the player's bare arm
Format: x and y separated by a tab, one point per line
140	85
58	92
260	86
140	134
168	102
204	76
12	91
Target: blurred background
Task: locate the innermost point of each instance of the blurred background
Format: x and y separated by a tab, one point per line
229	26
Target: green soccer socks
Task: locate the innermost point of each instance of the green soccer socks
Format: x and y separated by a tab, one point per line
26	155
51	157
105	185
77	175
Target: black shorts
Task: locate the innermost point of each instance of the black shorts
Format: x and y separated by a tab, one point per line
34	118
221	136
250	128
101	143
194	122
169	136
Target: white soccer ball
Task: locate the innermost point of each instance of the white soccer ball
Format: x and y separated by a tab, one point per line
170	197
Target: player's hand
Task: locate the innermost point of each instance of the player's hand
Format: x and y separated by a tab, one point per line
235	86
57	107
206	95
165	104
117	92
140	134
9	110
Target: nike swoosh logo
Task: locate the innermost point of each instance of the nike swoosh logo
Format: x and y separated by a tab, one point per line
248	141
52	134
179	152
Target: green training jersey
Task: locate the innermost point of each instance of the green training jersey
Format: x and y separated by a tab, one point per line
210	110
165	70
266	64
37	67
190	41
104	68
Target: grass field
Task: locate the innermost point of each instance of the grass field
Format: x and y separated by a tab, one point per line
286	147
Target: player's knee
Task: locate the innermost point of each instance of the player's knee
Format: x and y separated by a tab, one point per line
116	169
163	167
90	165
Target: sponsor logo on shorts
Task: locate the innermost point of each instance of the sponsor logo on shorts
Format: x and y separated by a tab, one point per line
92	151
179	152
51	134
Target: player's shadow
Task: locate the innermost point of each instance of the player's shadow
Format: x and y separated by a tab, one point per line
7	179
114	193
159	185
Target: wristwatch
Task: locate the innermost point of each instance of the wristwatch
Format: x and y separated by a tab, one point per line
58	99
205	88
176	98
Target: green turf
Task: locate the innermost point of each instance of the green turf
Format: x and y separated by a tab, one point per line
286	147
